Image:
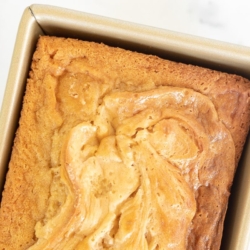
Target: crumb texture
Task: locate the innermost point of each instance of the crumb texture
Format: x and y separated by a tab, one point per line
121	150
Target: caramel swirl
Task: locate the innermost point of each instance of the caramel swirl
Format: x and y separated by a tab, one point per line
133	174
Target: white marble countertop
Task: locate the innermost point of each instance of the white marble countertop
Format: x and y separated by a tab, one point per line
224	20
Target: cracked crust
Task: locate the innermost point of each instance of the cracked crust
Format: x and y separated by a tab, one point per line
92	105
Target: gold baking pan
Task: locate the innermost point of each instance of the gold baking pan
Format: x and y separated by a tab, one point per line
50	20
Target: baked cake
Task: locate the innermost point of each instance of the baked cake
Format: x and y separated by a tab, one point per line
121	150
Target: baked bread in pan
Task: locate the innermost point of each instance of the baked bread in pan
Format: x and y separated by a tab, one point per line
121	150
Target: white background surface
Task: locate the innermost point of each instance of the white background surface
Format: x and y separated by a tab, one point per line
224	20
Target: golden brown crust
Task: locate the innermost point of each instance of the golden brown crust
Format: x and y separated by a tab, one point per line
59	96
